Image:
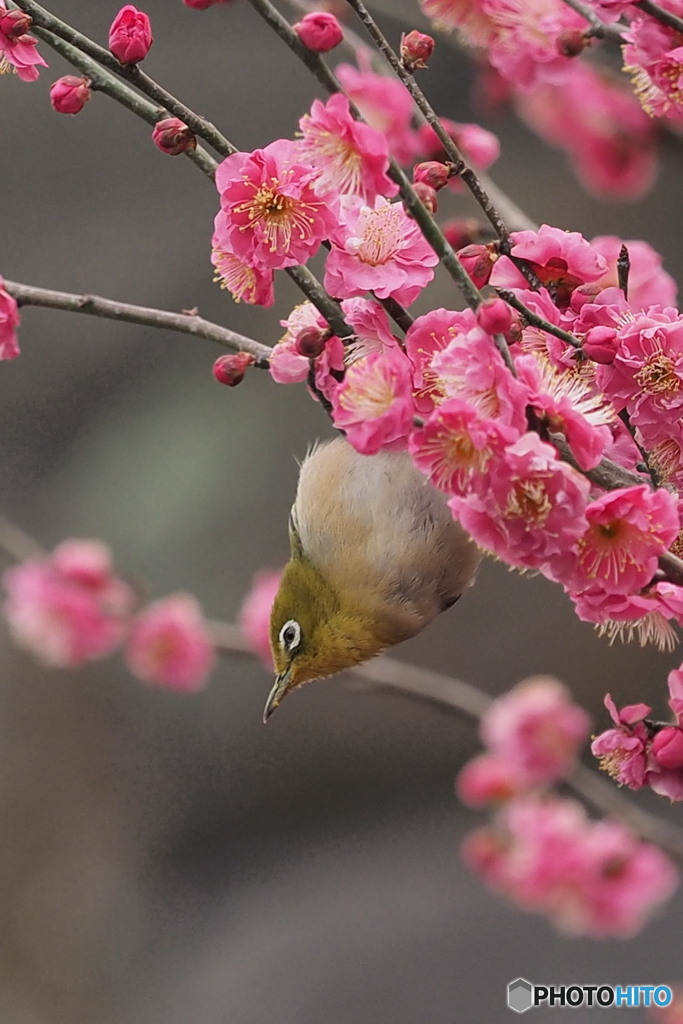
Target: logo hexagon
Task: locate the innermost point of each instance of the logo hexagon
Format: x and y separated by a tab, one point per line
520	995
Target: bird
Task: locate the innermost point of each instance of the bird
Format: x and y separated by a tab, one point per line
376	555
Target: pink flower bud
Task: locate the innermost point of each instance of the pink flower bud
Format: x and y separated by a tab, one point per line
319	31
494	316
130	35
172	136
478	261
667	748
460	232
70	94
14	24
310	341
427	195
583	294
601	344
232	368
432	173
571	42
416	49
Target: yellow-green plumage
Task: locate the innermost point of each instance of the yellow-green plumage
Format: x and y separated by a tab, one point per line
376	555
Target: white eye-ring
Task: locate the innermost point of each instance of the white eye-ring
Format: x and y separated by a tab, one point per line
290	635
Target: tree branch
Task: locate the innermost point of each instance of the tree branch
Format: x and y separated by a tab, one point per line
185	323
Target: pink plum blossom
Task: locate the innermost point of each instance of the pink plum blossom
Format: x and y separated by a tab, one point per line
628	529
68	607
246	282
567	405
622	750
385	104
588	877
426	336
18	50
532	510
348	156
456	444
486	779
378	248
468	17
288	366
524	48
561	260
595	118
471	367
374	403
654	58
536	730
170	645
9	321
253	617
646	376
270	215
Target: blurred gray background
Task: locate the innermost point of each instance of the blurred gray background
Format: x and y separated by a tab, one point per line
168	860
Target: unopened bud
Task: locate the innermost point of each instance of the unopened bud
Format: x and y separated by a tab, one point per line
319	31
432	173
667	748
130	35
426	194
494	316
69	94
416	49
14	24
601	344
478	261
310	341
172	136
571	42
230	369
583	294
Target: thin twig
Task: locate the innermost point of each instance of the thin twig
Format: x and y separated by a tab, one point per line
413	204
453	152
130	73
105	82
185	323
599	29
455	696
660	14
535	320
18	544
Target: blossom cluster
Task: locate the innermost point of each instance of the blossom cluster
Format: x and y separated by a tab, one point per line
70	607
332	186
638	752
542	851
531	51
492	435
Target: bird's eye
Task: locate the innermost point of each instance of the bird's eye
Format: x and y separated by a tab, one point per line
290	635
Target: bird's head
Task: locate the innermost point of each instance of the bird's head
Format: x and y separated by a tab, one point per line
316	630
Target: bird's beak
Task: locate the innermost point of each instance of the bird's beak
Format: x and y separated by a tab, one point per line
277	694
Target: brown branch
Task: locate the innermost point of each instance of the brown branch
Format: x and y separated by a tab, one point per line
454	696
185	323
